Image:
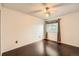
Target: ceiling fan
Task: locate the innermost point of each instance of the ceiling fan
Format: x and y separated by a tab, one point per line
48	9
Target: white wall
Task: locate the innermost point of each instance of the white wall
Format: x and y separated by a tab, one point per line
0	29
18	26
70	29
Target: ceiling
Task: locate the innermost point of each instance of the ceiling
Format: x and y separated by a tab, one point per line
58	9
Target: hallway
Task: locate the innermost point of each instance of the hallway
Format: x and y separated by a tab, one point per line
45	48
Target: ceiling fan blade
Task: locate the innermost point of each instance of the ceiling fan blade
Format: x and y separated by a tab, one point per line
59	5
53	8
44	4
35	11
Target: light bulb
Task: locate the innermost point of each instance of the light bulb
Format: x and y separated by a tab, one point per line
45	10
47	14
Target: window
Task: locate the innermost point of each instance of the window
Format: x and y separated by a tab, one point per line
53	27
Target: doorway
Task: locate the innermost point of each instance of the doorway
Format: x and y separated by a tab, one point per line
52	31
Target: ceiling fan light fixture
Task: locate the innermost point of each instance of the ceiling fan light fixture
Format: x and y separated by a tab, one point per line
47	15
44	10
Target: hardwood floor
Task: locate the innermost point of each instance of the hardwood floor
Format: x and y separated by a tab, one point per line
34	49
54	49
44	48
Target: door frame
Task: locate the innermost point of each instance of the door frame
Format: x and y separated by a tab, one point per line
58	33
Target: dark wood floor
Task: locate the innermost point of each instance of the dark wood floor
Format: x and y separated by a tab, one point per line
44	48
